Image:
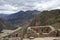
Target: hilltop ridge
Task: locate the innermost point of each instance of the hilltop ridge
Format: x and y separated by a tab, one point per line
47	18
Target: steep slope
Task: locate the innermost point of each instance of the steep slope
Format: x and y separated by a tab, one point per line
4	24
48	18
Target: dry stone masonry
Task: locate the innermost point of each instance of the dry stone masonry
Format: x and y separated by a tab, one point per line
34	32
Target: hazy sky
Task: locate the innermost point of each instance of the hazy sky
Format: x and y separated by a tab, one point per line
11	6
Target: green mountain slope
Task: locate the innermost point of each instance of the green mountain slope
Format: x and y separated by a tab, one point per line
47	18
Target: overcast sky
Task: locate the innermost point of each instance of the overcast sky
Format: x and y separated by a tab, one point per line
12	6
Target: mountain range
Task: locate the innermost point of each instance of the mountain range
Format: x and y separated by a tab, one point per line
18	19
22	17
38	18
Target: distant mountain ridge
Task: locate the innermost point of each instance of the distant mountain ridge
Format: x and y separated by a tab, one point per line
21	17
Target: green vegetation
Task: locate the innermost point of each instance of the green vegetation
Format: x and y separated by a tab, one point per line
47	18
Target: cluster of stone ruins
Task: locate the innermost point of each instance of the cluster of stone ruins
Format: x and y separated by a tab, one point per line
38	31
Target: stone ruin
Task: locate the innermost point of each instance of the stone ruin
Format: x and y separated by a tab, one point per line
42	31
35	32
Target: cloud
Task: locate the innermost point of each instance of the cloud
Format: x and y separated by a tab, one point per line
8	9
15	5
7	12
49	5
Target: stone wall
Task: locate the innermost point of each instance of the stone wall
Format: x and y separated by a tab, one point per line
38	31
45	31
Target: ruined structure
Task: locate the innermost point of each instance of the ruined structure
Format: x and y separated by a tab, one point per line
41	31
34	32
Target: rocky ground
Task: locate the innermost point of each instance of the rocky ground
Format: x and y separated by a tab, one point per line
42	38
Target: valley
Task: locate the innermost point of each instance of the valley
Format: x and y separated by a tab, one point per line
32	26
